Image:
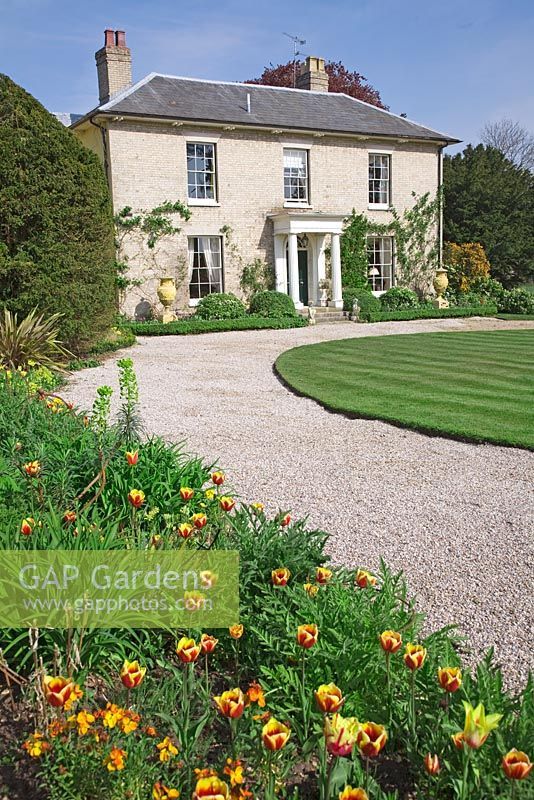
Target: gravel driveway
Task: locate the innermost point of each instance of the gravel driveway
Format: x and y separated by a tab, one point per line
457	518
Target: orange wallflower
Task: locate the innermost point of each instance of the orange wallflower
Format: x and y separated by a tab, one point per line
329	698
167	750
450	678
414	656
231	704
136	498
275	735
432	764
255	694
236	631
349	793
162	792
516	765
132	457
186	493
217	478
187	650
307	635
280	576
226	503
371	738
132	674
390	641
311	589
208	643
35	745
115	760
323	575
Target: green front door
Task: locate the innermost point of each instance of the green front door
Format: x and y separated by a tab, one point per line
303	277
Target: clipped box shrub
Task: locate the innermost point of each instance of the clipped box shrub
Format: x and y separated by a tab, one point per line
220	305
427	312
194	325
272	304
397	298
366	300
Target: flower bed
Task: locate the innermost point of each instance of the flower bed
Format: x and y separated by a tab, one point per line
425	312
191	326
324	688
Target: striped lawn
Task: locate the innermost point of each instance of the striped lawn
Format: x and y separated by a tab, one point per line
477	386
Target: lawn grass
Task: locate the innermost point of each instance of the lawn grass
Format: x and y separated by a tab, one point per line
477	386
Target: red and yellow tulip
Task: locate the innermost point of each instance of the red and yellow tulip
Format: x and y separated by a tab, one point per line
199	520
432	764
226	503
329	698
349	793
477	725
516	765
322	575
185	530
186	493
458	740
307	636
450	678
26	526
414	656
187	650
132	457
132	674
208	643
371	738
32	469
390	641
136	498
285	520
275	735
231	704
60	692
364	579
280	576
236	631
211	788
217	478
311	589
69	516
340	735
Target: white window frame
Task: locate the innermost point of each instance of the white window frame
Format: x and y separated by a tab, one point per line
383	153
379	282
304	202
203	201
193	249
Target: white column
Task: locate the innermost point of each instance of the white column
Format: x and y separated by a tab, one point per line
320	264
280	264
293	261
335	252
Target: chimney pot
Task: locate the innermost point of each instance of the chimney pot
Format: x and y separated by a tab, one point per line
109	37
120	38
114	65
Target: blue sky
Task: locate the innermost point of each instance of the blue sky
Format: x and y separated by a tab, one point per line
451	66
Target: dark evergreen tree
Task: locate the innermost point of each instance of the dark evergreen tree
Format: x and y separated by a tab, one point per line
56	222
490	200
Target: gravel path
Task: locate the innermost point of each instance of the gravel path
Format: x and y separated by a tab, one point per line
456	517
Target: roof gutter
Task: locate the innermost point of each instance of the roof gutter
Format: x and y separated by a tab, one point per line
230	126
103	134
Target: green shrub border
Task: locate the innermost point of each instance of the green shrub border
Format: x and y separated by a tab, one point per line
188	327
427	313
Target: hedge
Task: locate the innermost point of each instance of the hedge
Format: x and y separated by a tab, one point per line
427	313
186	327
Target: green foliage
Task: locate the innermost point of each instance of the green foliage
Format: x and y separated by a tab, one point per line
256	277
397	299
219	305
490	200
517	301
187	327
32	341
272	305
366	299
466	265
416	242
428	312
56	227
354	262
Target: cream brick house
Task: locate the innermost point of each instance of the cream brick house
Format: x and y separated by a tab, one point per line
268	173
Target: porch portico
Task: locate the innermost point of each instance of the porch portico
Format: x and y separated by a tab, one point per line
300	239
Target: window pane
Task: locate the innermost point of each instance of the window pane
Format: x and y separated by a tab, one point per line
380	260
379	176
205	266
296	175
201	170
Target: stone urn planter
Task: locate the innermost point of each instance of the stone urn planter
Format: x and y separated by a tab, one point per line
440	283
167	296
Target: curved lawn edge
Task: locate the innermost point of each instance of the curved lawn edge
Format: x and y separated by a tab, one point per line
423	428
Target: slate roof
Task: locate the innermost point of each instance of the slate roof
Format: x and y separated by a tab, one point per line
191	99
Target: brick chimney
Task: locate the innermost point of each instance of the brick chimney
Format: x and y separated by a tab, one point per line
312	75
113	65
